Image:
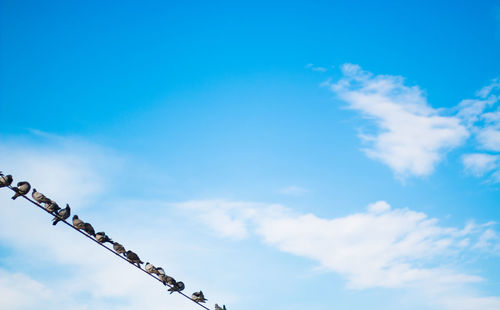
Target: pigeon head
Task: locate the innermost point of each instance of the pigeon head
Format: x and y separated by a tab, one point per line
75	217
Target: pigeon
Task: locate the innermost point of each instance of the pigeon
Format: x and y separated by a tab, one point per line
52	207
177	287
77	223
39	197
62	214
22	189
161	275
118	248
198	297
89	229
151	269
133	258
170	281
219	308
101	237
5	180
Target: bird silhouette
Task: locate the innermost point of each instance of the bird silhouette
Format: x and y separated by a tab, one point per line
177	287
118	248
219	308
77	223
22	189
198	297
52	207
151	269
101	237
39	197
5	180
89	229
133	258
62	215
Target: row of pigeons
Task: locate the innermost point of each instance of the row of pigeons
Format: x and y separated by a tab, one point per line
62	214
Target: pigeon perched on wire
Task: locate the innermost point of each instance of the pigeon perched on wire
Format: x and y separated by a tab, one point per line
39	197
89	229
177	287
22	189
219	308
163	276
62	215
52	207
5	180
151	269
101	237
77	223
133	258
118	248
198	297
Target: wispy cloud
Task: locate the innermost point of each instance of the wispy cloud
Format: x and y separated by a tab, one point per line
316	68
411	136
479	164
380	247
294	190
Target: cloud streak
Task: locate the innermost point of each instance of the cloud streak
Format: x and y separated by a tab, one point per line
380	247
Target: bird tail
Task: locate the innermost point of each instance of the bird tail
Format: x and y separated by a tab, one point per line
16	194
56	220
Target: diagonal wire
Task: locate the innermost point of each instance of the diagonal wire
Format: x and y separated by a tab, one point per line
110	250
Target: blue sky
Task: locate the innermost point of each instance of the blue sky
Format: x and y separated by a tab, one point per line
285	155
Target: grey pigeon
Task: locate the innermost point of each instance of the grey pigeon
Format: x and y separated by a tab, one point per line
161	275
177	287
5	180
133	258
89	229
22	189
101	237
118	248
62	214
52	207
39	197
219	308
198	297
170	281
150	269
77	223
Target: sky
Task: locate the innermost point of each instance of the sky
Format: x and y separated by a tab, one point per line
324	155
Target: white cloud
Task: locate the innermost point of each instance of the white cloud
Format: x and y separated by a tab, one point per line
412	137
381	247
478	164
294	191
489	138
316	68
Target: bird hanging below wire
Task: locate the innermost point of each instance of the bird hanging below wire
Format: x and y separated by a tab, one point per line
219	308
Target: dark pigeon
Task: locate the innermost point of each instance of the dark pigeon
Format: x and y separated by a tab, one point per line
101	237
118	248
5	180
198	297
52	207
133	258
62	214
22	189
177	287
89	229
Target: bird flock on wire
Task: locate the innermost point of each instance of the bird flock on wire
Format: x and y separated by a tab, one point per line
62	214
